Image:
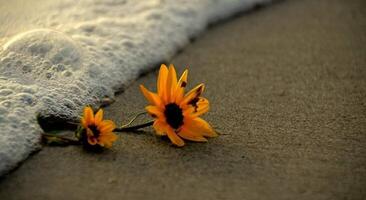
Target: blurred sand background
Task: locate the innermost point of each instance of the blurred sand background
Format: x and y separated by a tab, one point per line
287	88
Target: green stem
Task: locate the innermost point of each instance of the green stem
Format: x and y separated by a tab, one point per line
133	128
61	138
133	119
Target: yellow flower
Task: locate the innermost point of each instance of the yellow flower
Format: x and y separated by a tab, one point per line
97	131
176	114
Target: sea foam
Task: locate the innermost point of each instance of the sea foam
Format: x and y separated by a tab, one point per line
86	51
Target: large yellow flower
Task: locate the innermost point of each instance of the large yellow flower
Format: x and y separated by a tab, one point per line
97	131
176	114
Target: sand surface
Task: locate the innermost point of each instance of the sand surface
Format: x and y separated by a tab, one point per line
287	87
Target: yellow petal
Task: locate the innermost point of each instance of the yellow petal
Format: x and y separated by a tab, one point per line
198	125
154	111
106	126
171	83
160	127
91	139
161	84
107	139
191	135
153	98
89	132
193	94
201	107
83	122
98	117
100	143
88	115
174	138
179	90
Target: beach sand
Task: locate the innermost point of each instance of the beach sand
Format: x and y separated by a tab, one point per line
287	89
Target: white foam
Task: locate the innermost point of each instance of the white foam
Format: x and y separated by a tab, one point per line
88	51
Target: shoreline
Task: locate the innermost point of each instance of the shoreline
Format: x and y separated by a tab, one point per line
77	54
286	87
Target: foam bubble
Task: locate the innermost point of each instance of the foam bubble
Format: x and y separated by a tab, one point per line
41	54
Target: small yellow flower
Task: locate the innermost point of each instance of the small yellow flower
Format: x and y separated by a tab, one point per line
176	114
97	131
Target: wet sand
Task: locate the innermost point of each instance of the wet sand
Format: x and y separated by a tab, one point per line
287	89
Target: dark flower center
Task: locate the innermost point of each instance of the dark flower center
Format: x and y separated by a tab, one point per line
95	130
174	115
